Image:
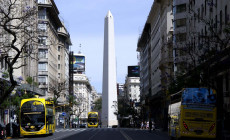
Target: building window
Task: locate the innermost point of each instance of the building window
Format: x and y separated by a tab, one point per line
181	37
42	14
42	66
42	27
42	40
42	80
59	48
181	8
180	22
59	66
59	57
42	53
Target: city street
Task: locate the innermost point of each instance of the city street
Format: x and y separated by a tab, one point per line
102	134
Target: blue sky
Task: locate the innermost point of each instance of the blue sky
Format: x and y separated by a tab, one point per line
84	19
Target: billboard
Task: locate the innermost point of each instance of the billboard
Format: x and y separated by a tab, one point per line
133	71
78	63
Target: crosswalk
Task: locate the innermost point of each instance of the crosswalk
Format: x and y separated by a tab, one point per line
99	129
69	130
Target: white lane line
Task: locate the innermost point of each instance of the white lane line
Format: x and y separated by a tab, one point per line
94	135
125	135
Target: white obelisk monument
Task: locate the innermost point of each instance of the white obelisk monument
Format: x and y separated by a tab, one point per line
109	87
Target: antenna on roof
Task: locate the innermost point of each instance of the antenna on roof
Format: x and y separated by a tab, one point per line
79	52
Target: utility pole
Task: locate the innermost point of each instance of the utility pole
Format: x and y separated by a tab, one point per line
10	118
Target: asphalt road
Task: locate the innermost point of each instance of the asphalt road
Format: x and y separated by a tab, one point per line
102	134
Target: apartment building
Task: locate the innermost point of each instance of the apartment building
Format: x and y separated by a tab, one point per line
82	94
46	46
156	63
53	49
132	90
120	90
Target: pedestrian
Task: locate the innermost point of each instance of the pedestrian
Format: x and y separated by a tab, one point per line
153	125
150	125
147	125
142	125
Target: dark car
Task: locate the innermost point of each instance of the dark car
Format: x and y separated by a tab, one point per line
2	132
83	125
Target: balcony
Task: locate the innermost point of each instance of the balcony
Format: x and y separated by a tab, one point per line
43	46
44	2
51	8
42	72
43	85
42	59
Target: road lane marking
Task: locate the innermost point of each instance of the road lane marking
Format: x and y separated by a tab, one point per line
125	135
94	135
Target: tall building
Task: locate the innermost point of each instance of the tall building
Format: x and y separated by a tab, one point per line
45	56
156	63
50	50
109	88
82	94
120	89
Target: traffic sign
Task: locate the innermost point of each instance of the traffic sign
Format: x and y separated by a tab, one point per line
63	114
6	111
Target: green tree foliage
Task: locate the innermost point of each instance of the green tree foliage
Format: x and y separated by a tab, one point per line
29	80
15	100
98	105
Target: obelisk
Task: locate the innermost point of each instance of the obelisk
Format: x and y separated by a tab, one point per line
109	88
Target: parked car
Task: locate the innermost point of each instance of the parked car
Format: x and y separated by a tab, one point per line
2	132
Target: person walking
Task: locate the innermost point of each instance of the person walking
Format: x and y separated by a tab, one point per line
142	125
150	125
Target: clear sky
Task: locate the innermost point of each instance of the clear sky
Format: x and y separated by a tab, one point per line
84	19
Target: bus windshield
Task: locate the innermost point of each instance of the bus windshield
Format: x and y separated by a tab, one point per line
92	115
198	96
33	113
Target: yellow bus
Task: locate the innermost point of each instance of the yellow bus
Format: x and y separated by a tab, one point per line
192	113
37	117
92	119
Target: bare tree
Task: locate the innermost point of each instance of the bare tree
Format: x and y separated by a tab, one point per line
59	91
202	49
18	37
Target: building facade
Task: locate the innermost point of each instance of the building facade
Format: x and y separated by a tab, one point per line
46	44
156	65
82	94
200	41
132	92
